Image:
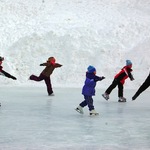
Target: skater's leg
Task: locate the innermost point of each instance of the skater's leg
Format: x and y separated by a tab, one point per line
35	78
111	87
6	74
89	101
120	93
80	107
83	104
142	88
48	85
120	89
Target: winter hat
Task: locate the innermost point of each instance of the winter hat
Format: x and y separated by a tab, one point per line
1	58
91	69
128	62
52	60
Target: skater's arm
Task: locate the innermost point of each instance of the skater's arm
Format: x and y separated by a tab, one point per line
45	64
57	65
130	74
97	78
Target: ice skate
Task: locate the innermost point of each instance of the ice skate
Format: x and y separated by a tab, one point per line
52	94
93	113
106	96
79	109
134	97
122	99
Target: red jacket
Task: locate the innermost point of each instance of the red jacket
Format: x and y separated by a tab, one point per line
124	74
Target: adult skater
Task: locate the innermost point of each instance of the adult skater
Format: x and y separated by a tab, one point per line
88	91
4	73
142	88
46	73
119	81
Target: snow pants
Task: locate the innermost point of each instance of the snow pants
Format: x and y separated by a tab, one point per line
46	79
88	101
6	74
143	87
113	85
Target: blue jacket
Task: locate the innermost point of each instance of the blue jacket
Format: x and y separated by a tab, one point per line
90	83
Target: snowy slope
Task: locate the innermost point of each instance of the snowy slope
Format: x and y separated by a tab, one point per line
102	33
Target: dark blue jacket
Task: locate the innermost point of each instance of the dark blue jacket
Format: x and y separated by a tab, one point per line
90	83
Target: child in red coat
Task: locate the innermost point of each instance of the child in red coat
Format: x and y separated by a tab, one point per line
119	81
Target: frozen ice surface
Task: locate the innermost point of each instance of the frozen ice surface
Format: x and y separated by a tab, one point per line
32	120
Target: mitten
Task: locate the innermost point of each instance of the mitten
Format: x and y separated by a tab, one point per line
102	77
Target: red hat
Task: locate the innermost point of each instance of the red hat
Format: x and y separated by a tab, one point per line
52	60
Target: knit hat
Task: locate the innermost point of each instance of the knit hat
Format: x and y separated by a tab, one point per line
1	58
128	62
91	69
52	60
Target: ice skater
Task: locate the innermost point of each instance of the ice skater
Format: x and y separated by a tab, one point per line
46	73
88	91
119	81
142	88
4	73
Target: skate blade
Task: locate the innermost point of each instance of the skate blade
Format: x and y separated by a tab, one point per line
121	101
105	97
79	111
91	115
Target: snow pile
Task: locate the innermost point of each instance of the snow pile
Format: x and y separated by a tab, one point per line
78	33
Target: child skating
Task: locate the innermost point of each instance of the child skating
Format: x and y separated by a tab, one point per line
119	81
88	91
50	65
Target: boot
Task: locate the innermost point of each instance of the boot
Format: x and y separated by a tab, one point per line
106	96
134	97
79	109
93	113
122	99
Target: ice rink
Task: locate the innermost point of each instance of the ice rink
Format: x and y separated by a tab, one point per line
31	120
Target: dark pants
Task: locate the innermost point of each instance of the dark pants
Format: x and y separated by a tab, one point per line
88	101
143	87
6	74
46	79
113	85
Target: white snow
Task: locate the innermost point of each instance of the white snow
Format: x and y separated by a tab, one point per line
78	33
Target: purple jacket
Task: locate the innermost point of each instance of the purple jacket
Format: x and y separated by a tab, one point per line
90	83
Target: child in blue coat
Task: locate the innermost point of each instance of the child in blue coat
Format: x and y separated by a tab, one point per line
88	90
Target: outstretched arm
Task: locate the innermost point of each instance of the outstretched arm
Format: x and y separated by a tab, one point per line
97	78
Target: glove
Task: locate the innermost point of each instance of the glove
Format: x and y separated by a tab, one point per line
102	77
